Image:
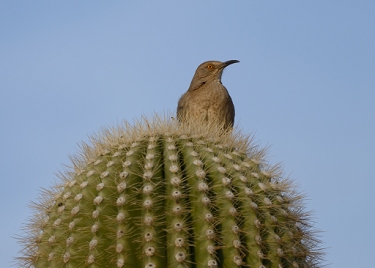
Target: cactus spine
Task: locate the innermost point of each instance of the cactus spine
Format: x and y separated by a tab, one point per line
162	195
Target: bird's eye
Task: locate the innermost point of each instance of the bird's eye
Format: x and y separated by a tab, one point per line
209	66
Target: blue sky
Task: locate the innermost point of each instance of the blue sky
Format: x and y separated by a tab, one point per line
305	86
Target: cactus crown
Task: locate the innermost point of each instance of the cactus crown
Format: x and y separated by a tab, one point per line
158	194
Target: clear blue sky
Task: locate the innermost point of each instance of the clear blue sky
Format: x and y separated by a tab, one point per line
305	85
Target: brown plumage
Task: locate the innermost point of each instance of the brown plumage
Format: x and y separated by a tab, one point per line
207	100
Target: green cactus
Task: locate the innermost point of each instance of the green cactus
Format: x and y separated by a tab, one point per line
158	194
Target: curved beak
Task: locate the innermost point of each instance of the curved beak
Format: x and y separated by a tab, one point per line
229	62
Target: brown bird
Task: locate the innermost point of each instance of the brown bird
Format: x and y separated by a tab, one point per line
207	99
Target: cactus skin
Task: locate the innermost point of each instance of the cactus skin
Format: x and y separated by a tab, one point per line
163	195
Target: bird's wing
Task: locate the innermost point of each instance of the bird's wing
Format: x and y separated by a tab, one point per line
181	106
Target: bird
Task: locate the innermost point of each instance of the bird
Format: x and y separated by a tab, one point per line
207	99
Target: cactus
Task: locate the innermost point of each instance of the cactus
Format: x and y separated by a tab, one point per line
158	194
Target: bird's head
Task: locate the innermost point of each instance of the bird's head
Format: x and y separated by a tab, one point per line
209	71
